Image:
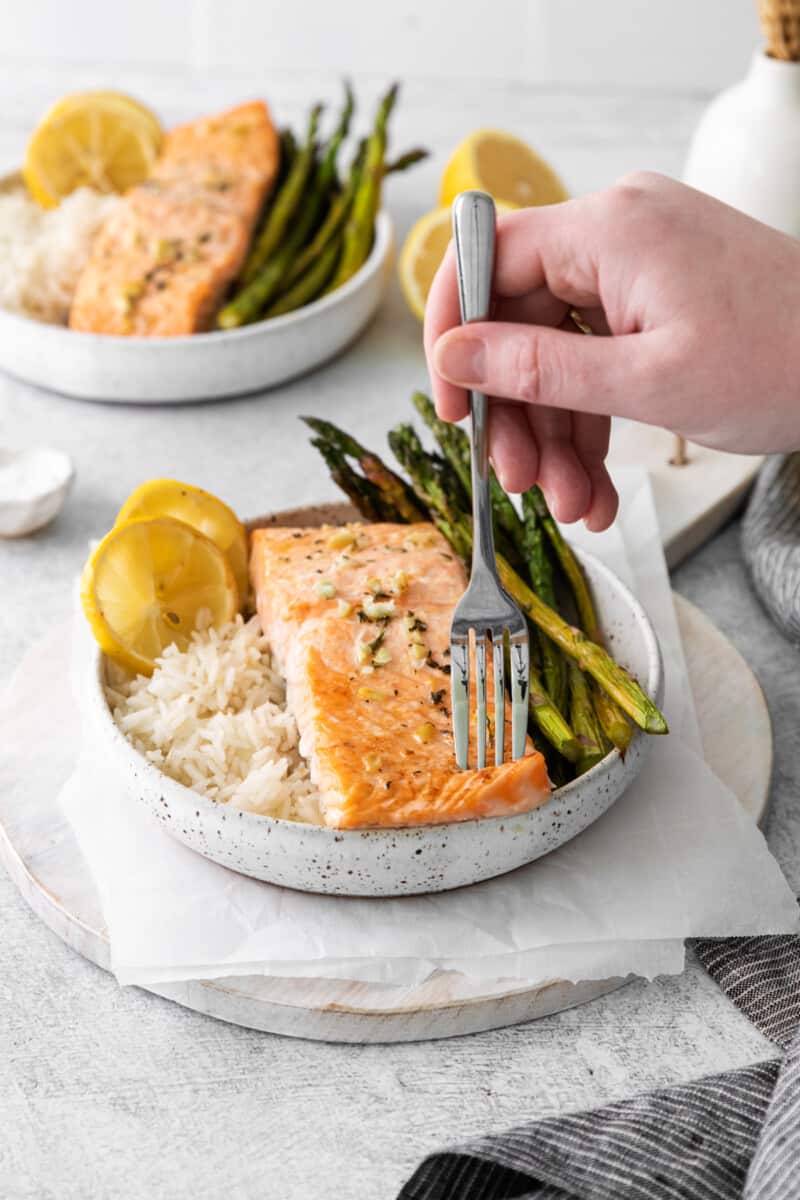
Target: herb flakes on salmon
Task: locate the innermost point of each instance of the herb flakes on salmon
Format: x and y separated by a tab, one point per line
161	264
359	618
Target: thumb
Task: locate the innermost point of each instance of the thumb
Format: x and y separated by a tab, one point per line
614	376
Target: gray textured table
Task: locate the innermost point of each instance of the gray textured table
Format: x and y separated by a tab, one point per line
116	1093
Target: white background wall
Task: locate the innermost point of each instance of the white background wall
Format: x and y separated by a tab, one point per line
600	87
671	44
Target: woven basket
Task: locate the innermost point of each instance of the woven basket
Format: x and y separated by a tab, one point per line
780	21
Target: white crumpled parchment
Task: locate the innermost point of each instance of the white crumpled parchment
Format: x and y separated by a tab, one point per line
675	857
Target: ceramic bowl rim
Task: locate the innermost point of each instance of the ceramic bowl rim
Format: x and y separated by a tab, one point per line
654	686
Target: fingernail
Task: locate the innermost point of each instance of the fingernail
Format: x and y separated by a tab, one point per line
461	360
501	476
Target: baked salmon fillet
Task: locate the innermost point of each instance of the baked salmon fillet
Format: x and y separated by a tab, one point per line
358	618
161	264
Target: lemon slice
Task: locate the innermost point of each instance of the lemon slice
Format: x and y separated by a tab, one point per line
103	140
423	251
201	510
504	166
149	584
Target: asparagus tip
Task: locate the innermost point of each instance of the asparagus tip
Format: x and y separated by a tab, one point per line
228	318
655	723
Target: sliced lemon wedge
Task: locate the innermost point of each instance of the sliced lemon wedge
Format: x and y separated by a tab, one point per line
503	165
201	510
151	583
103	140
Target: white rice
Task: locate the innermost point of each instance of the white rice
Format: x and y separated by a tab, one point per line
43	251
214	718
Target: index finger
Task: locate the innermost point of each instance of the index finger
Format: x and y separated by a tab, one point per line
442	312
548	249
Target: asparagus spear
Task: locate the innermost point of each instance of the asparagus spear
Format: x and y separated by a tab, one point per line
339	134
393	488
453	441
612	720
309	284
409	451
540	571
340	208
589	656
263	281
403	161
548	718
288	153
360	225
363	495
569	565
334	220
454	444
594	746
286	201
248	304
570	681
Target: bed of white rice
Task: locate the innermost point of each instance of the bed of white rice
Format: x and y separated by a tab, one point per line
43	251
214	718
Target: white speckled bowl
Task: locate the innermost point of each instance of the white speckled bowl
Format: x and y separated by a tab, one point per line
206	365
377	862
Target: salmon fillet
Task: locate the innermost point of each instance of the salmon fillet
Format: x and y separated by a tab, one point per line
358	618
163	261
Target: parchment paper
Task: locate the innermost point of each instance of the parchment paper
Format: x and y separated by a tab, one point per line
675	857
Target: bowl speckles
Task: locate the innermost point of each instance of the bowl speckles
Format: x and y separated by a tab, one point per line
401	862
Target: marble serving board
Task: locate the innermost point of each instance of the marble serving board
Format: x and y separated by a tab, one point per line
694	495
41	854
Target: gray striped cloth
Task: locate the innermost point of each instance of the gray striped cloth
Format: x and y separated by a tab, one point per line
731	1135
771	541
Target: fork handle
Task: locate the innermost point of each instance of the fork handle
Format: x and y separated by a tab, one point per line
474	232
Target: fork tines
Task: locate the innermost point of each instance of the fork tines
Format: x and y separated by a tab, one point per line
519	666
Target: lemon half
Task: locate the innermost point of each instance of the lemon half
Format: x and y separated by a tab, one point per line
503	165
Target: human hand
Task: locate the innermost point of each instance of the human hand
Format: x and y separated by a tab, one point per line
704	307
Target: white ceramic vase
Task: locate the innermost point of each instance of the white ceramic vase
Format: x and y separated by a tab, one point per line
746	149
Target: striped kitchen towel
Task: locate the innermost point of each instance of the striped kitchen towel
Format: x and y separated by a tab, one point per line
771	541
736	1134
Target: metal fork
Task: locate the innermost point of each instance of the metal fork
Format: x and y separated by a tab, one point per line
486	608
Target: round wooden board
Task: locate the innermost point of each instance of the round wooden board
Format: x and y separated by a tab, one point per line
41	854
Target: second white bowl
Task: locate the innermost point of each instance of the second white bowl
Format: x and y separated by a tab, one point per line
202	366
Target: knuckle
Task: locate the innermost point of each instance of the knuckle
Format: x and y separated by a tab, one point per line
640	182
641	203
525	368
635	190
